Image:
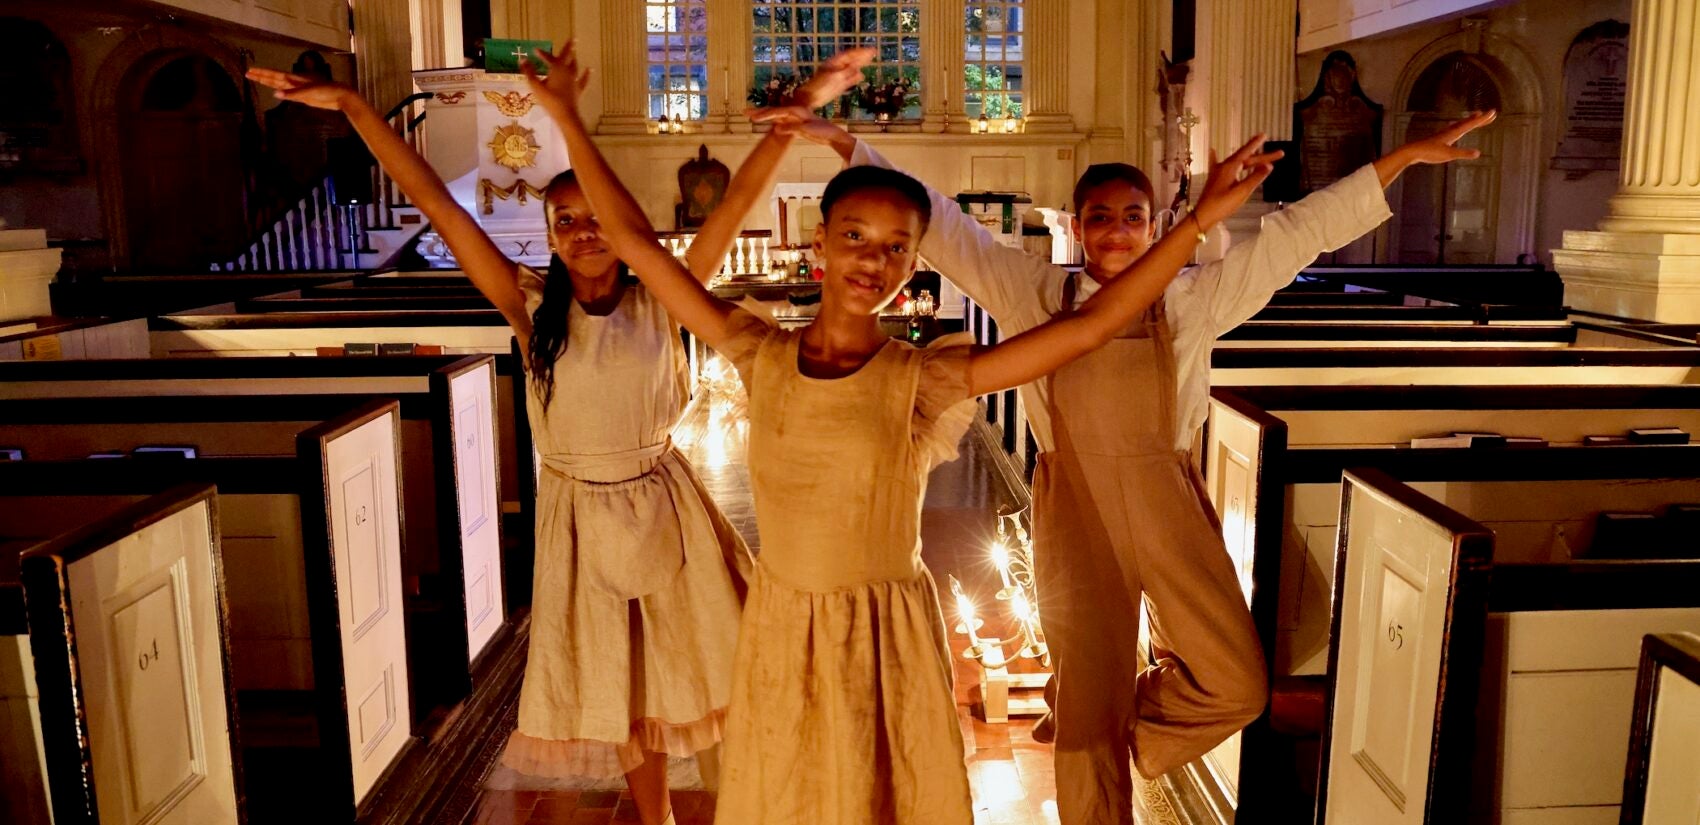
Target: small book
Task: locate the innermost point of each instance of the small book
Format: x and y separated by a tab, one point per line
165	451
1440	442
1625	536
395	349
1658	435
359	349
1525	441
11	454
1483	439
1604	440
110	454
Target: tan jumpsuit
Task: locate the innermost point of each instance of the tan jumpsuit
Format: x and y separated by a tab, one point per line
1119	513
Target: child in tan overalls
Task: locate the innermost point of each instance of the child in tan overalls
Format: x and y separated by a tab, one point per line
1119	509
842	712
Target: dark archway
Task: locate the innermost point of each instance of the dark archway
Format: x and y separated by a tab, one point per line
1450	214
167	115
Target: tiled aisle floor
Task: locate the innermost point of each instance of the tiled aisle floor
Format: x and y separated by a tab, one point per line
1010	774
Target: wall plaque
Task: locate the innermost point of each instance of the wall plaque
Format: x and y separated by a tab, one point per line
1337	128
1596	74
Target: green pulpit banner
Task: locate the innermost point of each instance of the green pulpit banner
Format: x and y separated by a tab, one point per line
502	56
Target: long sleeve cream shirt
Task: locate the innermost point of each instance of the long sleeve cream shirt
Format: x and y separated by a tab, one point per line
1022	291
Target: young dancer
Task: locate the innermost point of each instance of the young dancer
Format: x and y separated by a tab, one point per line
842	709
1119	509
639	579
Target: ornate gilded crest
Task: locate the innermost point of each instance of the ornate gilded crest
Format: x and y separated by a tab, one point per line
450	99
514	146
702	186
512	104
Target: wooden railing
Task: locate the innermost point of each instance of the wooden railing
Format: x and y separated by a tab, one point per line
316	233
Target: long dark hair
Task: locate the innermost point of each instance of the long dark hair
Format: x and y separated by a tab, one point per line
549	322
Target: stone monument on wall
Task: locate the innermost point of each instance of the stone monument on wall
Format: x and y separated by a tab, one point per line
1596	75
496	150
1337	128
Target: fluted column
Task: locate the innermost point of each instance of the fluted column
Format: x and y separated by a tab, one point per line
1047	67
436	28
1659	187
943	32
1252	46
624	102
728	65
383	52
1644	261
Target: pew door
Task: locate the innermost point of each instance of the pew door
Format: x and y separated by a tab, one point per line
471	432
359	636
127	628
1410	611
1662	781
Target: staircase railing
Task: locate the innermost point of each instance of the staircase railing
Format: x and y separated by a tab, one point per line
315	233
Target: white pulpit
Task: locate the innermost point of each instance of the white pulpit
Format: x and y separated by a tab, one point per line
27	266
496	149
1065	247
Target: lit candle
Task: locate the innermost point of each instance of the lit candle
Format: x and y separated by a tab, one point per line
1000	557
964	609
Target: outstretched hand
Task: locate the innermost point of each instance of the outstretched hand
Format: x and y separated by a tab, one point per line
1441	147
305	90
797	121
833	77
560	90
1232	181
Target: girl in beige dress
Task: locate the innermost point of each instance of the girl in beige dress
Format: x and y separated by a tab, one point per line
842	709
639	580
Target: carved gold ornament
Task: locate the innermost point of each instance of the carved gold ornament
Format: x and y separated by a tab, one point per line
514	146
488	192
450	99
512	104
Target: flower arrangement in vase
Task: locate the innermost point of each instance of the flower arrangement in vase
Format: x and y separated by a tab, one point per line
885	101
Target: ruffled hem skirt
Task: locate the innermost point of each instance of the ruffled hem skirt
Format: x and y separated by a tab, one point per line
611	674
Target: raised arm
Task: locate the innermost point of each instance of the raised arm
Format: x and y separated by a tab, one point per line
756	175
485	265
1041	350
623	222
1003	279
1229	291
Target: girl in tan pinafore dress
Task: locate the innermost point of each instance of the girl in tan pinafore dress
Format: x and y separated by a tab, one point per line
639	580
842	709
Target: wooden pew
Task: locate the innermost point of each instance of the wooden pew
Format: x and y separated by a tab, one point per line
1432	366
400	377
169	540
131	655
55	339
141	295
1556	662
1274	460
1273	457
1318	335
1474	283
1411	589
1661	782
309	541
451	553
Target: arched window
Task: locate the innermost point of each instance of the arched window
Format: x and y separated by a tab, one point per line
38	132
992	66
677	38
791	36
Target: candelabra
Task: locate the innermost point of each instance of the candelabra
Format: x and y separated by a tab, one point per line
1012	555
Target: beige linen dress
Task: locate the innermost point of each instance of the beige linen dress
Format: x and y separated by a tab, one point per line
842	704
638	578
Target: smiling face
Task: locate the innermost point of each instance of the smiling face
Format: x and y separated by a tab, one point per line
1114	226
574	233
868	247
